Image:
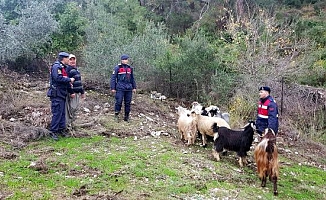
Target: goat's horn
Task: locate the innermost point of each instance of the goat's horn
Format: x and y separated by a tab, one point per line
245	126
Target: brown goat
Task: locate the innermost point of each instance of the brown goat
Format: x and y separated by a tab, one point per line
266	158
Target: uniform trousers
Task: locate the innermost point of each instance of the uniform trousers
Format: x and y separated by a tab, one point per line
58	114
125	96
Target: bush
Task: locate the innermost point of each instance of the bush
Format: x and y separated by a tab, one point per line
71	33
24	34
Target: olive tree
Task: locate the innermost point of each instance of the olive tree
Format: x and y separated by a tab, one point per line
24	35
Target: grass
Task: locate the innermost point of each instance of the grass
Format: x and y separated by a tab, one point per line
146	168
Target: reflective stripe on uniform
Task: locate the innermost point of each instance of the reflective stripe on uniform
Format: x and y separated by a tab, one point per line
263	116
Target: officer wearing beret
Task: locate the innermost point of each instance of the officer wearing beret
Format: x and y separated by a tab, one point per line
123	85
59	86
267	112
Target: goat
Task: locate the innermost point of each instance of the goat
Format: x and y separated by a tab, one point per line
204	112
233	140
197	106
183	111
186	125
266	157
214	111
205	123
187	128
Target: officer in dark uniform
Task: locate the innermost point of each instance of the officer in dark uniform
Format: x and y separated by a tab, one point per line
123	85
267	112
59	85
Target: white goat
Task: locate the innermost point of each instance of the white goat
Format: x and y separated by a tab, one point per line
186	125
205	125
183	111
187	128
197	106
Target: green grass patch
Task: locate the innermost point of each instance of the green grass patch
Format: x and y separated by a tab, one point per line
147	168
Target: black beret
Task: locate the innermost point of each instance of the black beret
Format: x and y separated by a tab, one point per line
124	57
64	54
266	88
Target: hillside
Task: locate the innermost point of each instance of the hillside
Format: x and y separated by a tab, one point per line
138	149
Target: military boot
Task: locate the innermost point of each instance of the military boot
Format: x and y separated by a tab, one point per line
116	116
54	136
64	132
126	117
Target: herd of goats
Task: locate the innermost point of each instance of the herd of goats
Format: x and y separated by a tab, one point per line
210	121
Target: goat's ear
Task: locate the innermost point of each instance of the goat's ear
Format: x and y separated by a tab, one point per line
214	126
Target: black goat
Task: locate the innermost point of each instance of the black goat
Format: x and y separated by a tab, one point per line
233	140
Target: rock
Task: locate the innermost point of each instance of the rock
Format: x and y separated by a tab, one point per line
86	110
97	107
12	119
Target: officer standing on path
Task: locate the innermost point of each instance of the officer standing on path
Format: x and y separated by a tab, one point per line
59	85
123	85
267	112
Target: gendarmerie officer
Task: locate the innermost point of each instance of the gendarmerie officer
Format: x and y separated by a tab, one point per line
59	85
123	85
267	112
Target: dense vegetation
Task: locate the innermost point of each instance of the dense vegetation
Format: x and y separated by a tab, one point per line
208	50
